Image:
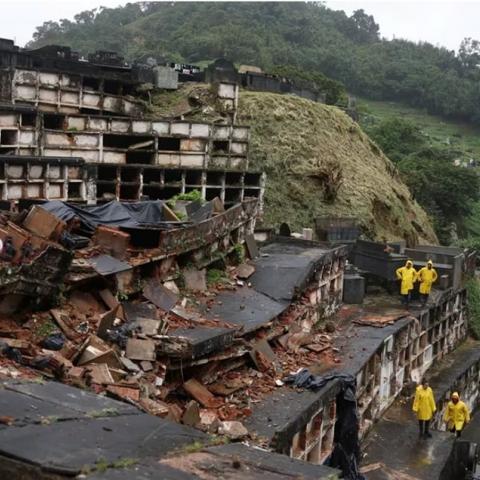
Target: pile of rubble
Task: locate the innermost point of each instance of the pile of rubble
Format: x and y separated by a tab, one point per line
160	327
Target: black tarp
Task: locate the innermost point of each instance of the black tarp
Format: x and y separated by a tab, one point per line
148	214
346	452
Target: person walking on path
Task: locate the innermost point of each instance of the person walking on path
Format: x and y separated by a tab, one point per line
427	276
456	415
424	406
408	276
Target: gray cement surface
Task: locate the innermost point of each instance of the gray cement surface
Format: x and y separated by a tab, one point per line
394	445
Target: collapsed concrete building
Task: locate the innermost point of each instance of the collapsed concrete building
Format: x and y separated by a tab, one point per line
139	257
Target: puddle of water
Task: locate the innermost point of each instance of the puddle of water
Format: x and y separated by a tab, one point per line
424	456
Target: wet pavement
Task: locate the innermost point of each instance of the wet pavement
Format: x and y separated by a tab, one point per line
394	441
393	449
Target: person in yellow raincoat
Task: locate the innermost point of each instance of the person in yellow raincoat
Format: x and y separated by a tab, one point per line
456	415
427	276
408	276
424	406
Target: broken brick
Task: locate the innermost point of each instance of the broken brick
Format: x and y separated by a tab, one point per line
174	413
96	350
146	366
155	407
232	429
114	241
244	271
201	394
262	355
208	418
106	323
76	372
108	298
63	321
124	393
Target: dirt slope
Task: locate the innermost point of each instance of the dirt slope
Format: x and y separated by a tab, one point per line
303	145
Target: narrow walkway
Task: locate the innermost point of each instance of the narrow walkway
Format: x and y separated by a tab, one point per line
393	450
394	442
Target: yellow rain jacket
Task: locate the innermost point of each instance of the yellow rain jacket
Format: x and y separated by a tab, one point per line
427	276
408	277
424	403
456	415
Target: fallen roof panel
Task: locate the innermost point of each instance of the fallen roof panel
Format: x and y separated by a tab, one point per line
284	268
246	308
66	397
68	447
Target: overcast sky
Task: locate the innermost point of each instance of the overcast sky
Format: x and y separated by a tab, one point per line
441	22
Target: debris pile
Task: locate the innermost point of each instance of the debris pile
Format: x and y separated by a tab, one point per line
176	337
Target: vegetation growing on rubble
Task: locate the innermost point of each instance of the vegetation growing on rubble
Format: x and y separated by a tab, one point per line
215	276
45	328
192	196
238	253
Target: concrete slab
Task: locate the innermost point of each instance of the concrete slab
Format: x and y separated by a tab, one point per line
359	343
246	308
24	410
275	462
133	311
286	411
69	447
472	431
78	402
151	471
285	270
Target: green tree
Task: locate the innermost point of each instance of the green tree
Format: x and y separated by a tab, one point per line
305	35
397	137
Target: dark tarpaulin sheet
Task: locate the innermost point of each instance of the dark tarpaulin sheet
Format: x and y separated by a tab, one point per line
115	214
346	452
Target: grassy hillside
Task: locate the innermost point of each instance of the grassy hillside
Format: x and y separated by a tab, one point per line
297	141
461	136
303	145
